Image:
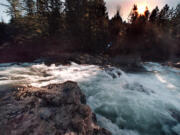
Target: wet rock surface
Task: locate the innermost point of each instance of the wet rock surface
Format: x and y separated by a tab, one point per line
126	63
58	109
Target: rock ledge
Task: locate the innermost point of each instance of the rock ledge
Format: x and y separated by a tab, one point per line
58	109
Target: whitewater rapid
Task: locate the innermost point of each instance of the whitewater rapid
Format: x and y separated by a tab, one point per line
145	103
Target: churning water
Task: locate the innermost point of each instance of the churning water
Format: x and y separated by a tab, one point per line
145	103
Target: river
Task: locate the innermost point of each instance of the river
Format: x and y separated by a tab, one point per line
141	103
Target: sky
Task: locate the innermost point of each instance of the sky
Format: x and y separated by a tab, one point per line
112	5
3	14
126	5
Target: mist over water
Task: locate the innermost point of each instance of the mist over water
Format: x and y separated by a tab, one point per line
146	103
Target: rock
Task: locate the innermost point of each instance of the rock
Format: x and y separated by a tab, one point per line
175	114
176	129
129	63
57	109
177	65
45	113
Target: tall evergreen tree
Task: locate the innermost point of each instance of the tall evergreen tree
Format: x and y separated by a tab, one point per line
115	25
134	14
154	15
29	7
54	16
4	34
117	17
143	18
41	6
87	20
163	17
176	25
176	17
116	29
146	13
75	11
14	8
98	19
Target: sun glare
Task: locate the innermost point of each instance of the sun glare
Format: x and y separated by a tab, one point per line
141	8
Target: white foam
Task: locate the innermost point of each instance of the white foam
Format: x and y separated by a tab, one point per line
126	103
176	129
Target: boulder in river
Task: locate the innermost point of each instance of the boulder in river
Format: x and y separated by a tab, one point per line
57	109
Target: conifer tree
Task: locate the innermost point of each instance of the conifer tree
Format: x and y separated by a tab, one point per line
176	24
134	14
154	15
54	16
75	11
176	16
163	17
87	21
29	7
117	17
98	24
146	13
42	7
142	19
14	8
115	25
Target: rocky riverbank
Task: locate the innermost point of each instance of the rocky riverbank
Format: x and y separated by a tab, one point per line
57	109
126	63
22	53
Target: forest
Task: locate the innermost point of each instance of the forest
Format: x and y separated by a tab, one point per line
50	27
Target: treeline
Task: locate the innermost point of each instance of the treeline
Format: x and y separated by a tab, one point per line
153	35
84	26
84	23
